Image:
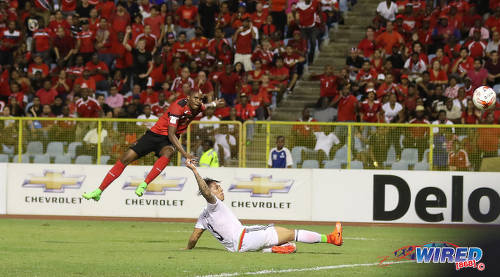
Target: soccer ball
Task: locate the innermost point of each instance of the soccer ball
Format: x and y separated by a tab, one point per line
484	97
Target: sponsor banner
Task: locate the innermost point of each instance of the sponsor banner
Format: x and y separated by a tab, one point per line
49	189
267	194
3	188
406	196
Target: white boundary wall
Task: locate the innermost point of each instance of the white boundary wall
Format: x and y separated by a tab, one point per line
266	194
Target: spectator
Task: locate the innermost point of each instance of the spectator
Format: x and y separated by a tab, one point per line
115	99
227	84
388	39
11	39
415	66
437	75
259	99
187	17
494	43
142	59
367	45
146	115
418	137
303	134
46	94
104	107
463	63
458	160
328	82
209	158
347	105
369	108
242	39
478	74
477	48
306	19
493	67
470	115
452	90
387	10
453	112
280	156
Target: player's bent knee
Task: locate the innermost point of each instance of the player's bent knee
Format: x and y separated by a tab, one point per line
167	151
128	157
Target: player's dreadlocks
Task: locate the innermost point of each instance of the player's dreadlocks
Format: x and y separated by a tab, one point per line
208	181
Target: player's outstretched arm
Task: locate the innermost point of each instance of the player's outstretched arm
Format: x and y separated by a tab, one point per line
193	239
175	141
202	185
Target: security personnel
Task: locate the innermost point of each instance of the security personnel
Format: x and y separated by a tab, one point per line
209	157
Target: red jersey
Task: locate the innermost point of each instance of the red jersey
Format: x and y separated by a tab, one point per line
179	82
68	5
245	113
419	132
440	76
155	23
260	98
88	108
244	42
46	96
476	48
370	113
43	68
178	115
205	87
99	66
367	47
228	82
460	160
187	15
196	44
87	39
328	86
9	40
41	39
158	109
258	20
307	13
147	98
347	108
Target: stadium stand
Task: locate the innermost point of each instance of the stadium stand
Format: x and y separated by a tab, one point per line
348	63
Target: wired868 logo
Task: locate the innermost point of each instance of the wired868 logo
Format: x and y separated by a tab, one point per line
462	257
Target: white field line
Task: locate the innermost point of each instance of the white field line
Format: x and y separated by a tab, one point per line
318	268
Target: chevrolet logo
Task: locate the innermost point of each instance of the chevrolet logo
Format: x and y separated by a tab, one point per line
159	185
54	181
261	186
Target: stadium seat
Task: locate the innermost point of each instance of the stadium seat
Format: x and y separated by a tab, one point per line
310	164
425	158
391	156
83	159
54	148
341	154
72	148
401	165
356	165
421	166
25	158
297	154
34	148
410	156
62	159
333	164
105	159
41	159
4	158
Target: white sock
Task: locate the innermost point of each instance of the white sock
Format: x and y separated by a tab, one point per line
307	236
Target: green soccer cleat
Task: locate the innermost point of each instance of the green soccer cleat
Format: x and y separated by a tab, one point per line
141	189
96	195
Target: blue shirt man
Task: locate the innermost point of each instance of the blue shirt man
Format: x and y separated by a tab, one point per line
280	156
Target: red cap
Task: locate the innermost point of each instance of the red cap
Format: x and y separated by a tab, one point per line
399	16
404	76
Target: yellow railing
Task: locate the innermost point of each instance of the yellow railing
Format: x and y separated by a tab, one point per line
255	138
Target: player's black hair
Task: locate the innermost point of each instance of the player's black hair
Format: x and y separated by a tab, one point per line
208	181
280	137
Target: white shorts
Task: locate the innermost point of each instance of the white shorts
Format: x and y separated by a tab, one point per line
258	237
245	59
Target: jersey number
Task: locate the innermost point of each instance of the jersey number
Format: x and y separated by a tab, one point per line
216	235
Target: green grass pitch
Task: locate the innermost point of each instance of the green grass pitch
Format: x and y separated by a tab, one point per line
130	248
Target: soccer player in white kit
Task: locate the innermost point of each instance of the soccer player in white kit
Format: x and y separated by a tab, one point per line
219	220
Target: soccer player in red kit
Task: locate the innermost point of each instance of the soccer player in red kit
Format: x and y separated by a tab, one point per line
162	139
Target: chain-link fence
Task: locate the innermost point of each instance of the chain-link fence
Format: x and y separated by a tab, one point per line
375	146
223	137
311	144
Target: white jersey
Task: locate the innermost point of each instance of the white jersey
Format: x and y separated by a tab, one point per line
222	223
